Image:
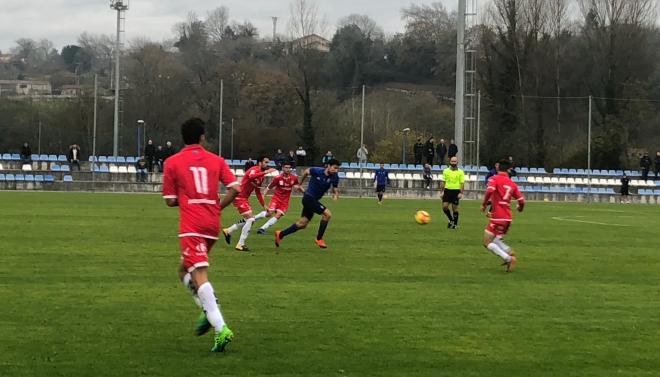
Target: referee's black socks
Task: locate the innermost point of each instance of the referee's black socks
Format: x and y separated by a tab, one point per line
448	214
456	218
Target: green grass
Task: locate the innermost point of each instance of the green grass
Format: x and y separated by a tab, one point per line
88	287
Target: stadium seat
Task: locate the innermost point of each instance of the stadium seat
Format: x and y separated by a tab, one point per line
131	169
399	176
353	165
112	159
29	178
55	168
554	180
121	160
603	182
581	172
483	169
656	192
388	166
104	169
130	160
411	167
1	167
26	167
572	171
38	178
67	178
15	157
556	171
371	166
49	179
103	159
34	157
350	175
123	170
92	158
19	178
43	157
114	169
417	177
563	181
6	157
368	175
394	166
408	177
436	168
240	172
342	175
419	167
65	168
2	177
9	178
52	158
61	158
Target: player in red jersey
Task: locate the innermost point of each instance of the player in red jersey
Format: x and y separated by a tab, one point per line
252	181
190	182
499	193
284	185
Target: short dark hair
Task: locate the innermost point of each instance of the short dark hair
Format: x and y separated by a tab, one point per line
504	165
262	158
333	161
192	131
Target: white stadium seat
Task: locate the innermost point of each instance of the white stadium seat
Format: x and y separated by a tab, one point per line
123	170
570	181
26	167
417	177
1	168
563	181
114	169
132	169
579	181
554	180
239	172
408	177
350	175
603	182
547	180
367	175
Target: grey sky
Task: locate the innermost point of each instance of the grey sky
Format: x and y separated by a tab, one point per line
62	21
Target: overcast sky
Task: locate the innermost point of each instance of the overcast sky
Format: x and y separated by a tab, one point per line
62	21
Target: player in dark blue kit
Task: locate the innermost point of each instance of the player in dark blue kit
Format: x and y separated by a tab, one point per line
321	180
382	179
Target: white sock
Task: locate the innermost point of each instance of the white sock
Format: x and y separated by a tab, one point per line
499	252
210	306
246	231
187	281
500	242
269	223
262	215
235	227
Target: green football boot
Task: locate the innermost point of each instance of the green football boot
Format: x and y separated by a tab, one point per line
222	338
203	325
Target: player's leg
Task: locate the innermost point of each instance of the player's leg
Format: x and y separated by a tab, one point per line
245	232
490	236
273	219
239	225
325	220
262	215
455	213
445	209
243	207
223	335
299	225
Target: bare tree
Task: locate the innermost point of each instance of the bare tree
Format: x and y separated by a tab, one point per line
216	22
304	19
368	26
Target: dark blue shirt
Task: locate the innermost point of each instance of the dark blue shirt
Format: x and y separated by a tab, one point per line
491	173
319	183
382	177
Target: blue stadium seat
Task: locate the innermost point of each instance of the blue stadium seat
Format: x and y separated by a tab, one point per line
104	169
29	178
371	165
411	167
130	160
34	157
2	177
92	158
394	166
271	164
581	172
65	168
55	168
345	165
49	179
67	178
537	189
523	179
103	159
388	166
9	178
533	170
354	165
436	168
52	158
121	160
556	171
515	179
572	171
483	169
595	172
6	156
565	171
61	158
342	175
419	167
43	157
15	157
112	159
38	178
523	170
19	178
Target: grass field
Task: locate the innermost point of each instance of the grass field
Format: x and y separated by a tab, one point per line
88	287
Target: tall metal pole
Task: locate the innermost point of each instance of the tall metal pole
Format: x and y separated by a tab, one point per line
478	129
589	151
364	93
115	145
96	89
222	90
459	131
39	147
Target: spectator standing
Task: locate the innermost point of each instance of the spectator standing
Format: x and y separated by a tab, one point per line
74	156
141	168
327	158
645	164
428	176
26	153
150	155
492	172
512	168
452	151
362	154
249	163
291	160
429	150
169	151
279	159
301	155
657	164
625	189
418	151
442	151
160	157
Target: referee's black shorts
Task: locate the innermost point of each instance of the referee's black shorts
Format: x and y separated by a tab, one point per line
380	188
451	196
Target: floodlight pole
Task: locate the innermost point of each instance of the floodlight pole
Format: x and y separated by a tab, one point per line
120	7
96	89
459	130
364	92
222	90
589	151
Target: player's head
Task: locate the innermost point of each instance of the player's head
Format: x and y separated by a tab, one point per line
333	166
286	168
263	162
503	165
453	162
497	166
382	165
193	131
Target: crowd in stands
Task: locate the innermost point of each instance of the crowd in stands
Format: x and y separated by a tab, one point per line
431	153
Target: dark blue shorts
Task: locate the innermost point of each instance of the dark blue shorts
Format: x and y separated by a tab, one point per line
311	207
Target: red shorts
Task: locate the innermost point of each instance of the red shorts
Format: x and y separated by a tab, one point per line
278	205
195	252
498	228
242	205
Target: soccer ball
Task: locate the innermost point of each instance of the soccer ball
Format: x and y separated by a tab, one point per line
422	217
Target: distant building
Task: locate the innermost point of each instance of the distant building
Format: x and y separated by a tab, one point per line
24	88
312	42
72	90
6	58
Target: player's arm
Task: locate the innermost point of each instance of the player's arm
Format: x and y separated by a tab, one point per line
306	174
169	187
517	195
489	193
460	194
229	180
232	193
260	197
335	187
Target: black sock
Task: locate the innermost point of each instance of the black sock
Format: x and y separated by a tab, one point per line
380	197
448	214
290	230
456	218
322	227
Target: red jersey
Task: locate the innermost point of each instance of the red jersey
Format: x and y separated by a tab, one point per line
499	193
192	177
252	182
283	186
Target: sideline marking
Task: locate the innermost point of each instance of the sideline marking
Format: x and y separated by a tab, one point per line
567	219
